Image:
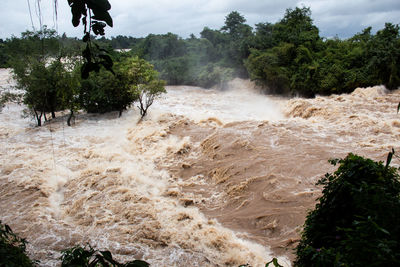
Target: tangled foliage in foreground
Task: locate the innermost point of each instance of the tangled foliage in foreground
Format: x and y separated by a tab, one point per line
13	253
12	248
80	256
356	222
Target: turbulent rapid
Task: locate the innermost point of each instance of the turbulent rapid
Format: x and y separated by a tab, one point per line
209	178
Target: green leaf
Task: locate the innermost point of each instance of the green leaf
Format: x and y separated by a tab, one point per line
274	261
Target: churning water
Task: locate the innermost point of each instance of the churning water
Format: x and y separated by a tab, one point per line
209	178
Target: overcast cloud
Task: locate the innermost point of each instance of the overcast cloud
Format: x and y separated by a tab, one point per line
139	18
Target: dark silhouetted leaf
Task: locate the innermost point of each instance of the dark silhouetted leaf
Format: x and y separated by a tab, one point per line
98	27
103	16
99	4
389	158
77	9
107	255
136	263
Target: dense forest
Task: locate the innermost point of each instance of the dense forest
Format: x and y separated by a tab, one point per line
287	57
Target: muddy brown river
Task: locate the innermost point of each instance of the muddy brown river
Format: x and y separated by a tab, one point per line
208	178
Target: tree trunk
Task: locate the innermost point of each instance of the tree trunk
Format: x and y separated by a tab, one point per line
53	114
38	118
45	118
71	115
143	112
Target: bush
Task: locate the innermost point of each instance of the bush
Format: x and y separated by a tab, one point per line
356	222
12	249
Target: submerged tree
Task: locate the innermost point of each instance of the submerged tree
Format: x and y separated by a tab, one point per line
144	82
38	71
134	80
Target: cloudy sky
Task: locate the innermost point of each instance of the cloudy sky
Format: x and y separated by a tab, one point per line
138	18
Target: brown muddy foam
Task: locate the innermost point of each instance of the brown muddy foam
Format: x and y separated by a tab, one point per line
216	187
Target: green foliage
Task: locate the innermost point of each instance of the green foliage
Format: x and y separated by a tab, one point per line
356	222
13	253
12	249
32	46
297	28
316	66
384	53
104	92
235	27
213	74
134	80
3	55
39	71
200	61
48	87
85	257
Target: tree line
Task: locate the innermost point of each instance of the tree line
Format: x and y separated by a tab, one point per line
287	57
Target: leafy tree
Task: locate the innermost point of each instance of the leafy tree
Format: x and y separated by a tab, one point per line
384	54
176	70
32	46
236	49
286	62
47	88
356	222
272	67
104	92
134	80
213	74
146	84
36	71
235	26
214	36
263	38
68	86
297	27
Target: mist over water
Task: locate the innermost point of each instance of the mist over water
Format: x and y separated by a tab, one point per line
209	178
239	102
